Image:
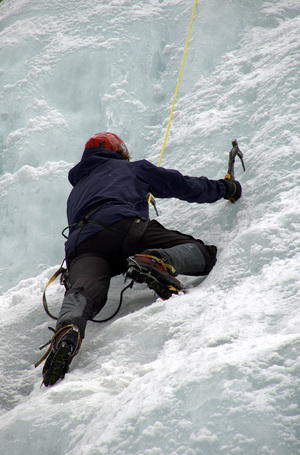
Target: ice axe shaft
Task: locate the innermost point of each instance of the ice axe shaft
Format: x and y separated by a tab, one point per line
235	151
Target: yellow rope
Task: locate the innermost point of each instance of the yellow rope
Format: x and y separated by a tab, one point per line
177	86
182	63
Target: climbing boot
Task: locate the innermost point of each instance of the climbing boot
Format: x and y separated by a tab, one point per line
144	268
64	345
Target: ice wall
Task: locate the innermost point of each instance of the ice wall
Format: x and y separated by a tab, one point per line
72	69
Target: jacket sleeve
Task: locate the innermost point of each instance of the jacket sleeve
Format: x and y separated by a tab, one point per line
167	183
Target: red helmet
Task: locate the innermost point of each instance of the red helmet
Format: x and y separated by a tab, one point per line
109	141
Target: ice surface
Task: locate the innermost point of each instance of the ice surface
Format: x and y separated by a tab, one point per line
214	371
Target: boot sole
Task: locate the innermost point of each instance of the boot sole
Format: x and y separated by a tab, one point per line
59	366
157	284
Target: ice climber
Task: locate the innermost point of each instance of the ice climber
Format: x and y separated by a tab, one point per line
110	233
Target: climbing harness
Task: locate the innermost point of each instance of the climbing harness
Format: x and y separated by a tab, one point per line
85	219
176	90
137	229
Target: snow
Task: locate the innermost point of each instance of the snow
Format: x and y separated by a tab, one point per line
216	370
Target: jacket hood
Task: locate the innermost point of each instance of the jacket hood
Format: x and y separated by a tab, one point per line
91	157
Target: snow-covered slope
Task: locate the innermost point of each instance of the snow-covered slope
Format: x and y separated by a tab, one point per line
215	371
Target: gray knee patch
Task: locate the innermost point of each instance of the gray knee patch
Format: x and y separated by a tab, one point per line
74	310
73	305
187	259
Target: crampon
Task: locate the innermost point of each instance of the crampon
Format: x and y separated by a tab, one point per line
153	271
64	345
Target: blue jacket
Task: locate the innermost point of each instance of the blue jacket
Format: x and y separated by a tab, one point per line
113	189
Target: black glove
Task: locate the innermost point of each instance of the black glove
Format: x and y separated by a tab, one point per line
233	189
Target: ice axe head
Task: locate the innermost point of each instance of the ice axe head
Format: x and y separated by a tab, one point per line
235	151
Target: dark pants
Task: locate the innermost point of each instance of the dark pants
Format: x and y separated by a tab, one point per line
102	256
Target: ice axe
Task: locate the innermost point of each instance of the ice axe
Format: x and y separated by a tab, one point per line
235	151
